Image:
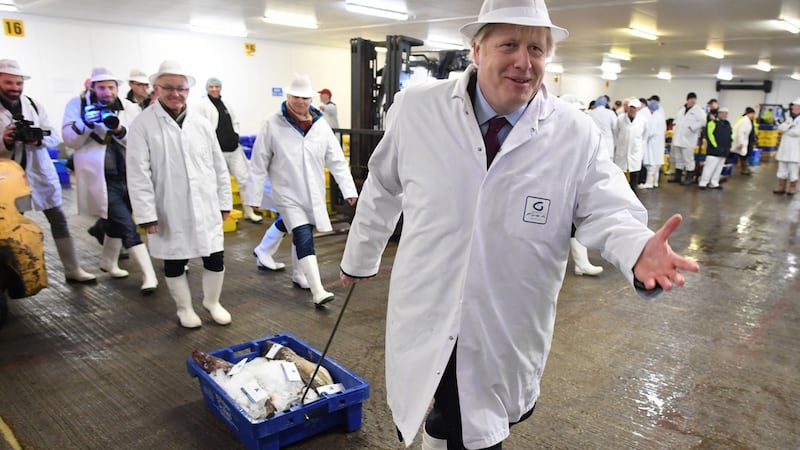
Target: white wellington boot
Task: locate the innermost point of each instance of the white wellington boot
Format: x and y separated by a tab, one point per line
298	277
72	268
141	256
311	270
179	289
212	289
268	246
581	259
249	214
111	248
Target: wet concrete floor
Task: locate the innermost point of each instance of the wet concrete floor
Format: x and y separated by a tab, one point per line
713	365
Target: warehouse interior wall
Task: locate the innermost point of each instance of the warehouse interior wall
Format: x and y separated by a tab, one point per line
59	55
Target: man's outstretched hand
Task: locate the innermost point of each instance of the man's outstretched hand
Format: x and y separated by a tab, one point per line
658	264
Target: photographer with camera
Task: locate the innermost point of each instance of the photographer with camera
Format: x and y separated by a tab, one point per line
27	133
95	125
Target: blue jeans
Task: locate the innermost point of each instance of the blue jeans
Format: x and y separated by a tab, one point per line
120	223
302	238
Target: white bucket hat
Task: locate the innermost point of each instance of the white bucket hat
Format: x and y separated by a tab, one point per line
11	67
171	68
301	87
531	13
138	76
795	102
103	74
634	102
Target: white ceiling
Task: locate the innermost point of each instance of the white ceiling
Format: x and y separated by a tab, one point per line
745	29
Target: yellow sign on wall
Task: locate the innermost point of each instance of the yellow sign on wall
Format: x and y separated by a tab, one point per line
250	48
13	27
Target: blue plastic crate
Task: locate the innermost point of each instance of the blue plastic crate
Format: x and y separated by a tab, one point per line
54	152
754	158
248	151
300	421
62	171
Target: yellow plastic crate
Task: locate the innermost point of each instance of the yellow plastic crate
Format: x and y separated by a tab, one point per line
230	224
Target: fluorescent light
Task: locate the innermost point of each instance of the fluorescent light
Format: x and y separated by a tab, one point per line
620	56
795	76
364	7
718	54
724	73
789	25
290	20
442	44
8	5
609	76
610	66
209	27
764	65
554	68
664	75
643	33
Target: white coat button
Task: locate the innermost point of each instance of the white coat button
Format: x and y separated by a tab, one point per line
480	149
438	372
451	338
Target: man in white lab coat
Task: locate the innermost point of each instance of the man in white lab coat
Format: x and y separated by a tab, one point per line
293	148
474	284
95	124
180	190
29	149
629	141
686	129
653	157
224	121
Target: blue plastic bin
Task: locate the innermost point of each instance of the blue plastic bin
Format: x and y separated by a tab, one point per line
300	421
54	152
247	152
754	158
62	171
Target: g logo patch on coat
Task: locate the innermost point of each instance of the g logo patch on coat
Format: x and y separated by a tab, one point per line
536	210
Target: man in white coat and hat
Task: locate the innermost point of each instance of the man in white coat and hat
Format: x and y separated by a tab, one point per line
653	157
31	153
292	148
95	125
689	122
630	139
226	125
180	190
474	283
788	155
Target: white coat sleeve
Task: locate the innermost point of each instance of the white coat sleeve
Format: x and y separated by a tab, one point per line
139	173
224	192
379	205
609	217
75	132
259	167
339	168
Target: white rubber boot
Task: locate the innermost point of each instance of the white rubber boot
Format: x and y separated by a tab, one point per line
581	259
298	277
656	176
431	443
141	256
72	269
111	248
311	271
268	246
648	184
212	289
249	214
179	289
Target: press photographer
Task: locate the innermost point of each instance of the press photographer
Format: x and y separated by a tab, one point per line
27	132
95	125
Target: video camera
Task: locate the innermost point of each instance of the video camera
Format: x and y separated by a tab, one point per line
24	131
102	114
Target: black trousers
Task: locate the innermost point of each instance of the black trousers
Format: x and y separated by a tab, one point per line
444	419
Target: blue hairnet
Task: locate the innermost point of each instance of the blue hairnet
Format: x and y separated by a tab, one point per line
601	102
213	80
